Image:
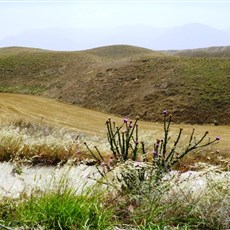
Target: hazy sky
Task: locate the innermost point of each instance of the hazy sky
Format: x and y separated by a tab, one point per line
19	16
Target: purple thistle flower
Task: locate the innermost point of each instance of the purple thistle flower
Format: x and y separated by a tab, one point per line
217	138
165	112
137	163
125	120
155	153
130	124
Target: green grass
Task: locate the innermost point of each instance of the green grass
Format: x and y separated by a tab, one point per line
33	90
58	210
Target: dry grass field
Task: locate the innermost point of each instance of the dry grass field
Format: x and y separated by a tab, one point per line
37	109
14	107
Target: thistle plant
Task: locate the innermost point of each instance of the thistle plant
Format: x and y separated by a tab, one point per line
125	145
164	158
124	140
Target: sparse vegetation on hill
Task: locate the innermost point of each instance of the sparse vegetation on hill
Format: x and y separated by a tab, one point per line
124	80
121	51
218	51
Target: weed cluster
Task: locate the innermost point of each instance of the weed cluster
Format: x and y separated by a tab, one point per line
165	157
144	196
169	206
125	145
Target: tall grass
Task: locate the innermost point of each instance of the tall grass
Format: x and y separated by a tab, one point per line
58	210
37	143
175	203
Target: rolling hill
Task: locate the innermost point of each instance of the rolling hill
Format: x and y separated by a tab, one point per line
218	51
125	80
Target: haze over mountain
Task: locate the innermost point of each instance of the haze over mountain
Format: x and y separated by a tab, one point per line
187	36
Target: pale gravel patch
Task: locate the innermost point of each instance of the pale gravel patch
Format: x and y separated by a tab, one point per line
195	184
44	178
41	178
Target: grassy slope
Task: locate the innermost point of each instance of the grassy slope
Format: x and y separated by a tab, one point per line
216	51
124	80
36	109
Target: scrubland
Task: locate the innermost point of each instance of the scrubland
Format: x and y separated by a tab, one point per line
152	126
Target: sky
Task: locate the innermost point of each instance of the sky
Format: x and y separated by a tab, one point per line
18	17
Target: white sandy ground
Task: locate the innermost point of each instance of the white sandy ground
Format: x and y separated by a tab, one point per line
13	184
38	178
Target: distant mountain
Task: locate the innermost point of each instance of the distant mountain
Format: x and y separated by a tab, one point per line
81	39
51	39
191	36
188	36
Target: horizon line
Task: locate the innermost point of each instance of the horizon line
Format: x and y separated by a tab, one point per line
114	1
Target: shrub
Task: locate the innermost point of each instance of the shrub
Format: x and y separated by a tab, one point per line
165	157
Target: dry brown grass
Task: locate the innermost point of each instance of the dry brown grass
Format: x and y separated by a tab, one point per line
90	125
